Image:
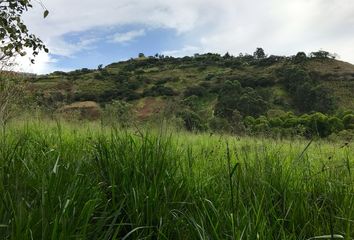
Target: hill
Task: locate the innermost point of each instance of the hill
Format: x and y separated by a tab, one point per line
208	87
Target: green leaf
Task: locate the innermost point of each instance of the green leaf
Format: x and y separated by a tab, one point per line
45	14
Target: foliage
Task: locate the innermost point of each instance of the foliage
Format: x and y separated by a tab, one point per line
198	91
300	57
10	96
322	55
192	121
251	104
159	90
259	53
228	99
308	94
14	34
219	125
61	181
211	87
118	113
307	125
233	97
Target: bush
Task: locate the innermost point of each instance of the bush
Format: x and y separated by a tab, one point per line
348	121
220	125
250	103
195	90
335	124
316	124
118	112
192	121
159	90
300	57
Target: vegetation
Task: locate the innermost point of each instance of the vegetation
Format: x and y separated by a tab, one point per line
86	167
63	181
210	92
14	35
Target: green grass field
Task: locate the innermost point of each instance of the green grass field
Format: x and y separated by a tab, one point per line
67	181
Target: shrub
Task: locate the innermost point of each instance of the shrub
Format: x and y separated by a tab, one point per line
335	124
159	90
276	122
209	77
319	124
192	121
195	90
300	57
348	121
250	103
118	112
221	125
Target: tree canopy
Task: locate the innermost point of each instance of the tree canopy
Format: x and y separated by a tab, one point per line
14	35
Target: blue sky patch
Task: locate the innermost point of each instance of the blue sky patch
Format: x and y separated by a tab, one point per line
94	47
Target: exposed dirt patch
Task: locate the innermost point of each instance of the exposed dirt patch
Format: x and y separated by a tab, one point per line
86	110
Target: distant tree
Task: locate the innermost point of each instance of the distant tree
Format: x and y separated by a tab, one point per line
251	104
141	55
348	121
14	33
300	57
100	67
259	53
228	99
227	55
310	97
220	125
294	77
320	54
195	90
192	121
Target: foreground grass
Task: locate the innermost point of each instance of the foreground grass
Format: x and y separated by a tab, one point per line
60	181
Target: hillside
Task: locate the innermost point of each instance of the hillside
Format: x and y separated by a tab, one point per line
207	86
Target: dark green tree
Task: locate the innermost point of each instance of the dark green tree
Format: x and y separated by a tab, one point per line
259	54
320	54
251	104
228	99
300	57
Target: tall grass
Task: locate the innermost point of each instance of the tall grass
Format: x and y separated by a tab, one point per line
61	181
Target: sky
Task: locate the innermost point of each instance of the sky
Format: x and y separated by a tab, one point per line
87	33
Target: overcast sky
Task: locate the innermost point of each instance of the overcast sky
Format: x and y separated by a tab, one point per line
86	33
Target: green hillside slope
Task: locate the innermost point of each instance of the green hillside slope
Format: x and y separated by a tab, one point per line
208	86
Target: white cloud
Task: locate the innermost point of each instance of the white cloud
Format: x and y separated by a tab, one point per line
280	26
43	60
185	51
127	36
59	46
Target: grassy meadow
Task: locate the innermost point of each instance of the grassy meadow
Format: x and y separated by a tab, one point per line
86	181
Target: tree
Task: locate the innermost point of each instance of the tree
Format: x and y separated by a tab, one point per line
14	34
192	121
228	99
300	57
10	95
320	54
227	55
251	104
259	54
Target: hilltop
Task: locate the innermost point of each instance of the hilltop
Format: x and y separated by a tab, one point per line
208	87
